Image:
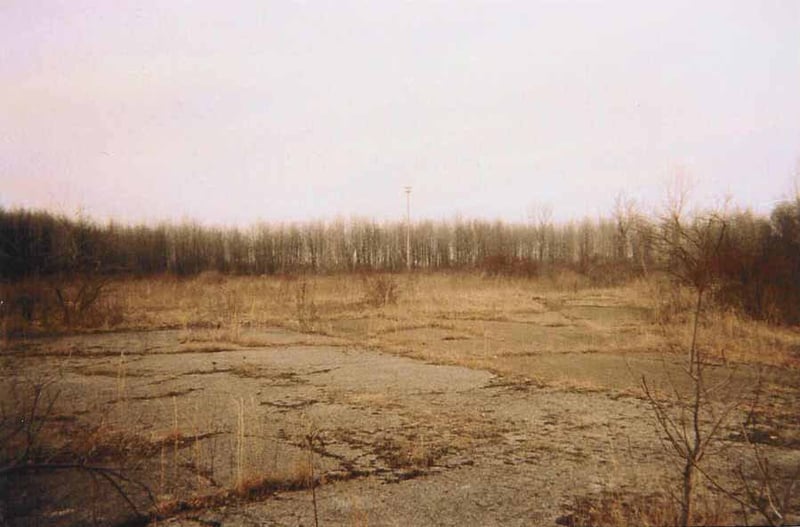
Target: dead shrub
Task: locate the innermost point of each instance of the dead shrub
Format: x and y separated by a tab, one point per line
380	289
77	298
26	410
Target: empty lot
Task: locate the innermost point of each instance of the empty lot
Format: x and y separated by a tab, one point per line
466	400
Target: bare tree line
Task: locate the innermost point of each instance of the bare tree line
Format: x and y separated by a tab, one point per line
34	243
759	256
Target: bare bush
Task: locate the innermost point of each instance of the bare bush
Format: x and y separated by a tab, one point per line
25	408
379	289
765	489
30	446
761	265
77	297
691	422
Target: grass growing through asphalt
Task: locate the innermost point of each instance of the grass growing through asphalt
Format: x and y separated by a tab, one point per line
507	325
453	318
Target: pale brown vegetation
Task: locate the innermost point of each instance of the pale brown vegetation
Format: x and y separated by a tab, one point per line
642	315
488	322
463	305
650	510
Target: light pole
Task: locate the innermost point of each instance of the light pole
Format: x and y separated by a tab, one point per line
408	227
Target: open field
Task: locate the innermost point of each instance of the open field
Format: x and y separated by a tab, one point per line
445	398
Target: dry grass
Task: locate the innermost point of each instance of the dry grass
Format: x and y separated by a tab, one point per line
248	489
493	323
632	510
180	461
409	452
264	301
534	327
473	315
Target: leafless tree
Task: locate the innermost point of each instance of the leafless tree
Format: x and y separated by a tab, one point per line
625	215
541	217
692	248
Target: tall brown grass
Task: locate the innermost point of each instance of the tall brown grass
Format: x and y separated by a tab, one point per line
216	307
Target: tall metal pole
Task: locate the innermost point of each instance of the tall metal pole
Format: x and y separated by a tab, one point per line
408	227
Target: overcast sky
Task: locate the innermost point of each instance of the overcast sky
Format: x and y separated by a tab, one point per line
234	112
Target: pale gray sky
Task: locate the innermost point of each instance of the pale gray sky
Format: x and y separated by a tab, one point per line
233	112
